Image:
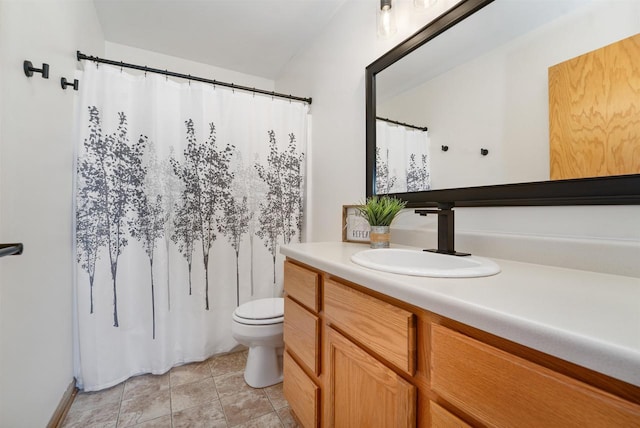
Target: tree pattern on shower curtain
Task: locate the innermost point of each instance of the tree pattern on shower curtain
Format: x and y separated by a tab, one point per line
284	197
234	225
170	189
90	233
148	224
418	175
207	180
126	193
384	181
248	183
111	172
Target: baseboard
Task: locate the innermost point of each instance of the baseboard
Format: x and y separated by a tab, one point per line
63	406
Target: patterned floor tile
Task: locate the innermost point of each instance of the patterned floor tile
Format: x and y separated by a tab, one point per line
145	385
276	396
161	422
228	363
144	408
208	415
287	418
105	416
93	400
189	373
209	394
270	420
231	384
193	394
244	406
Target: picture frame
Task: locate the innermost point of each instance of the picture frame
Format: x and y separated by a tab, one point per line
355	227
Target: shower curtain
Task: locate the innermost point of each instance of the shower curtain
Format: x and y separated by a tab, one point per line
183	194
402	159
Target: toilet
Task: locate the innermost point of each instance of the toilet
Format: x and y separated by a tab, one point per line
258	325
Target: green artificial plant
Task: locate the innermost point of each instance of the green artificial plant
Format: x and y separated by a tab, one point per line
381	210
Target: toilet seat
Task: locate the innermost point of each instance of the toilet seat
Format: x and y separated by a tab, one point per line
260	312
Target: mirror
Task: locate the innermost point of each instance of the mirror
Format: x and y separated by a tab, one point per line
477	79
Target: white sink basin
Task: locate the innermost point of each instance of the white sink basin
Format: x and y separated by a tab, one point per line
425	263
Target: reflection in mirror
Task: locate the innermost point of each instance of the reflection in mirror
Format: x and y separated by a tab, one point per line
594	100
483	84
402	157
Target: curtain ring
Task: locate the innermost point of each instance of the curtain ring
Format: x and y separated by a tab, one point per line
121	67
145	71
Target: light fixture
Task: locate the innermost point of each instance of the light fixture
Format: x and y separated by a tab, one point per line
386	19
423	4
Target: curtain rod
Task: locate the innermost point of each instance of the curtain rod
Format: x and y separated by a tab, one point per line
419	128
80	56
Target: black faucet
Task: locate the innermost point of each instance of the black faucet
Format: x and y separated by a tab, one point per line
446	231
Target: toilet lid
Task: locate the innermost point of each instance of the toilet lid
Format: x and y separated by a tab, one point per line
261	309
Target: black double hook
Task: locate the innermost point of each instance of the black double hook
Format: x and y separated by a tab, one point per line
29	69
64	83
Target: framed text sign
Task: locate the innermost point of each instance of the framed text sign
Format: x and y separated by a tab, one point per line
355	228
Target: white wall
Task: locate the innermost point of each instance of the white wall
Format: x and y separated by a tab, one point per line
36	154
118	52
331	70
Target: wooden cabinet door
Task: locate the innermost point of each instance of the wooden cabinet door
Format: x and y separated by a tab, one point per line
363	392
441	418
301	392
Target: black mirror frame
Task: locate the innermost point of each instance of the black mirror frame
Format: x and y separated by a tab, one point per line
615	190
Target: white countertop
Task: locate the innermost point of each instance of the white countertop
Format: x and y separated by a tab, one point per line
591	319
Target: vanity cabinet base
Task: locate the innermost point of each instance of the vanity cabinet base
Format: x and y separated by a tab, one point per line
378	361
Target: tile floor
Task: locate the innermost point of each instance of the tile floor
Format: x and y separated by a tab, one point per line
208	394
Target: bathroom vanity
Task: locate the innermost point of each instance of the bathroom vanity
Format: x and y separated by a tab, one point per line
531	346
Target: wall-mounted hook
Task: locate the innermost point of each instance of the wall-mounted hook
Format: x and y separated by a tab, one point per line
64	83
444	148
484	152
29	69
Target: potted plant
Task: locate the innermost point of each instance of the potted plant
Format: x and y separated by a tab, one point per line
380	211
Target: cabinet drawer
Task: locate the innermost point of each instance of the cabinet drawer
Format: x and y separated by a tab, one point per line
385	329
302	334
441	418
501	389
303	285
302	394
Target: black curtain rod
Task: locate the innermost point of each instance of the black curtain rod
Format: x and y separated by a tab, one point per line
395	122
81	56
